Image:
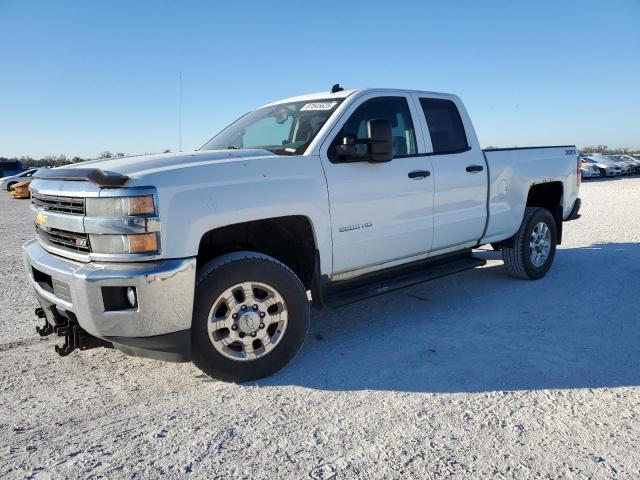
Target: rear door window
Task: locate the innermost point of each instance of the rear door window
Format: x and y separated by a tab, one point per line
445	126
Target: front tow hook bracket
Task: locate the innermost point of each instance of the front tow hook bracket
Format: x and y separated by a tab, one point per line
47	329
71	334
66	325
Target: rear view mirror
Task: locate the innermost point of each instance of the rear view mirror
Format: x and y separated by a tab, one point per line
378	144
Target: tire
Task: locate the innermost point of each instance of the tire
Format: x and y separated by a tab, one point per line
10	185
497	246
228	353
603	172
517	251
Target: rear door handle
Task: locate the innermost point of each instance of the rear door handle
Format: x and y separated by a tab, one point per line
475	168
419	174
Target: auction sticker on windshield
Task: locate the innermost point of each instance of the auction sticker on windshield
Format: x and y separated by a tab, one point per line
319	106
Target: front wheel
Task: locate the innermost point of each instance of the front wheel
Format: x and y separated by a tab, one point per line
530	252
251	314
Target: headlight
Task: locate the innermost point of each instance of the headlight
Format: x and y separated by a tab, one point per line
123	244
120	206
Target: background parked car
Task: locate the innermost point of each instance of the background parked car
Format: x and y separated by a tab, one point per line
7	182
21	190
589	169
606	166
634	162
10	167
625	167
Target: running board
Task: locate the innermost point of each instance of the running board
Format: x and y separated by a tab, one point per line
346	296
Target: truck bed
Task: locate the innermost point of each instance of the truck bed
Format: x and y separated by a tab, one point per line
512	171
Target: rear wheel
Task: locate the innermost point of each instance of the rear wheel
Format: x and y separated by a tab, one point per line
603	172
10	185
251	315
530	252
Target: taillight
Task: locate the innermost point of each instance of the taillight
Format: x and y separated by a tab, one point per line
579	175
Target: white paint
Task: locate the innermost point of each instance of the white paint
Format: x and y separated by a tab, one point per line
406	218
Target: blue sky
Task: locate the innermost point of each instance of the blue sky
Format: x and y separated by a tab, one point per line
82	77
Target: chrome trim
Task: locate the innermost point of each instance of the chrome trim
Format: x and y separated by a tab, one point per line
165	292
126	257
57	204
97	225
61	221
61	188
121	225
62	252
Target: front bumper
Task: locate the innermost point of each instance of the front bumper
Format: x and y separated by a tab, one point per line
158	327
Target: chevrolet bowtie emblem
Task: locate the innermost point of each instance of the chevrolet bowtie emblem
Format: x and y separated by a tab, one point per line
41	219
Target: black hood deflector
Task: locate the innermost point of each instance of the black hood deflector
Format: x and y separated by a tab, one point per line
94	175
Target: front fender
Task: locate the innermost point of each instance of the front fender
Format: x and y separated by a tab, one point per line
195	200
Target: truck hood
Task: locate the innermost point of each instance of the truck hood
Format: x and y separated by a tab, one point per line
147	164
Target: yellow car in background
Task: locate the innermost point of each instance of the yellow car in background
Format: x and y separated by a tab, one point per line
21	190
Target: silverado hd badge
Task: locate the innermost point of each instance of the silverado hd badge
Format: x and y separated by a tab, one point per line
357	226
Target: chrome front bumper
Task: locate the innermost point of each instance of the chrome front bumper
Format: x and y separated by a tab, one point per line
165	290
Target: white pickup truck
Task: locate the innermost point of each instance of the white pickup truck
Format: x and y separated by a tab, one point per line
212	255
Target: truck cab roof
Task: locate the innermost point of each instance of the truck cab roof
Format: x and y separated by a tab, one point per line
346	93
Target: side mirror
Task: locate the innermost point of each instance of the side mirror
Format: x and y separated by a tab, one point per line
381	147
378	144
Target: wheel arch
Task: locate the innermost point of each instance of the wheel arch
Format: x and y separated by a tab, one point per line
290	239
548	195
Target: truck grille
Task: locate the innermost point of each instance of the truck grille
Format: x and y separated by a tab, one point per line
74	241
50	203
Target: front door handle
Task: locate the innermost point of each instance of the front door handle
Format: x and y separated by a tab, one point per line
419	174
475	168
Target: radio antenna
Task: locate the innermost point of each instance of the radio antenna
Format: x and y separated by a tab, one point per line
180	111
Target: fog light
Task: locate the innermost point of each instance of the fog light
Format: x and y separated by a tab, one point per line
132	297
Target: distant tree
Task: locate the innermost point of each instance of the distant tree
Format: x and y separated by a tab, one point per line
27	161
120	154
167	151
595	149
105	154
77	159
606	150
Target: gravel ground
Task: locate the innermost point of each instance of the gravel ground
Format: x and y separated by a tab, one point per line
474	375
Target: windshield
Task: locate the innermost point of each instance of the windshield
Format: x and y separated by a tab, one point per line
284	129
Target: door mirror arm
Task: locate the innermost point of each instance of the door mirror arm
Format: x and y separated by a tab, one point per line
378	144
